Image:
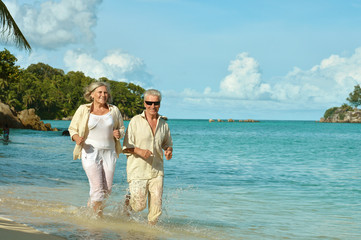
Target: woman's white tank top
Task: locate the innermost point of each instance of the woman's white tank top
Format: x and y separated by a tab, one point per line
100	131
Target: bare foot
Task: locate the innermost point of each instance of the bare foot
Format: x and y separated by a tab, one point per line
99	214
98	209
152	223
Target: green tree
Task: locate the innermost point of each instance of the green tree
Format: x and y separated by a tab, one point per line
55	95
12	100
355	96
42	70
329	112
9	25
28	98
9	73
345	107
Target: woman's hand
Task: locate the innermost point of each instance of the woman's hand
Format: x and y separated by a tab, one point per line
116	134
79	140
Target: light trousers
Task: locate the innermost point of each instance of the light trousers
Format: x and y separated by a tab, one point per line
99	166
151	188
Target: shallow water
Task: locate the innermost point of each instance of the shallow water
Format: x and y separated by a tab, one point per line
266	180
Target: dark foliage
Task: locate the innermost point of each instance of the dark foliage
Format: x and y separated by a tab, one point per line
54	94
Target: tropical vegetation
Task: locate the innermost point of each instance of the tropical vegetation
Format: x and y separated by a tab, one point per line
354	99
55	94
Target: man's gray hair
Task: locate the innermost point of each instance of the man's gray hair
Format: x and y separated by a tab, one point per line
152	92
94	85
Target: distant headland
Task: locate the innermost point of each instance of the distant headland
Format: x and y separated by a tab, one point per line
345	113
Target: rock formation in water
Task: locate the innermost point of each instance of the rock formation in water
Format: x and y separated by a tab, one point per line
8	116
341	115
24	119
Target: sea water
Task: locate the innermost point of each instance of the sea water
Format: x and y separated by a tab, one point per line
227	180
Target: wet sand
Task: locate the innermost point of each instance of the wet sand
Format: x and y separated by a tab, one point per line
10	230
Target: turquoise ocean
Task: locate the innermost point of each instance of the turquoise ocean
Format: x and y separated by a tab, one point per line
227	180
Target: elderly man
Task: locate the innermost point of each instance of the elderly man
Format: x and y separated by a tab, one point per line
146	137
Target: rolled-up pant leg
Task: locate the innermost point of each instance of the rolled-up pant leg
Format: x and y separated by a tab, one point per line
155	187
152	189
138	194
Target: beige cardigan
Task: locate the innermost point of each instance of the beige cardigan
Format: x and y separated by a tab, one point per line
79	125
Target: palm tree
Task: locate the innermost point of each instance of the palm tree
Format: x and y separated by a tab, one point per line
3	83
9	25
28	98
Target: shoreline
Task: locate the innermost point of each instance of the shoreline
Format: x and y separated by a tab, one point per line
10	230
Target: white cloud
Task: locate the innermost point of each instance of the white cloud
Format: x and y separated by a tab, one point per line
54	24
329	82
244	81
34	57
207	90
244	78
324	85
117	65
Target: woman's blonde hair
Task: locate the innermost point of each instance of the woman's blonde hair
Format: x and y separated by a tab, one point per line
94	85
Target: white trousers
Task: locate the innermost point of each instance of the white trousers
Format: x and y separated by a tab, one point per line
99	166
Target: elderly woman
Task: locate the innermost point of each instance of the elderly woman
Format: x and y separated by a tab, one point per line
96	128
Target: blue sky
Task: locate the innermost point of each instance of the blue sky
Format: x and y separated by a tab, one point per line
260	59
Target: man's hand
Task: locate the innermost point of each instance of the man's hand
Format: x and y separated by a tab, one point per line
168	153
143	153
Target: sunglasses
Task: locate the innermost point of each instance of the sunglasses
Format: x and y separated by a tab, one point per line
150	103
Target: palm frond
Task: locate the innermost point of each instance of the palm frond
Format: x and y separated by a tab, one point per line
10	29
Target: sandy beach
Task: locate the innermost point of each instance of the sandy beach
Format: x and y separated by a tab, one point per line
10	230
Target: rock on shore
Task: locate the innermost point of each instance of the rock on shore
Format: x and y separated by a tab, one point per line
8	116
24	119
